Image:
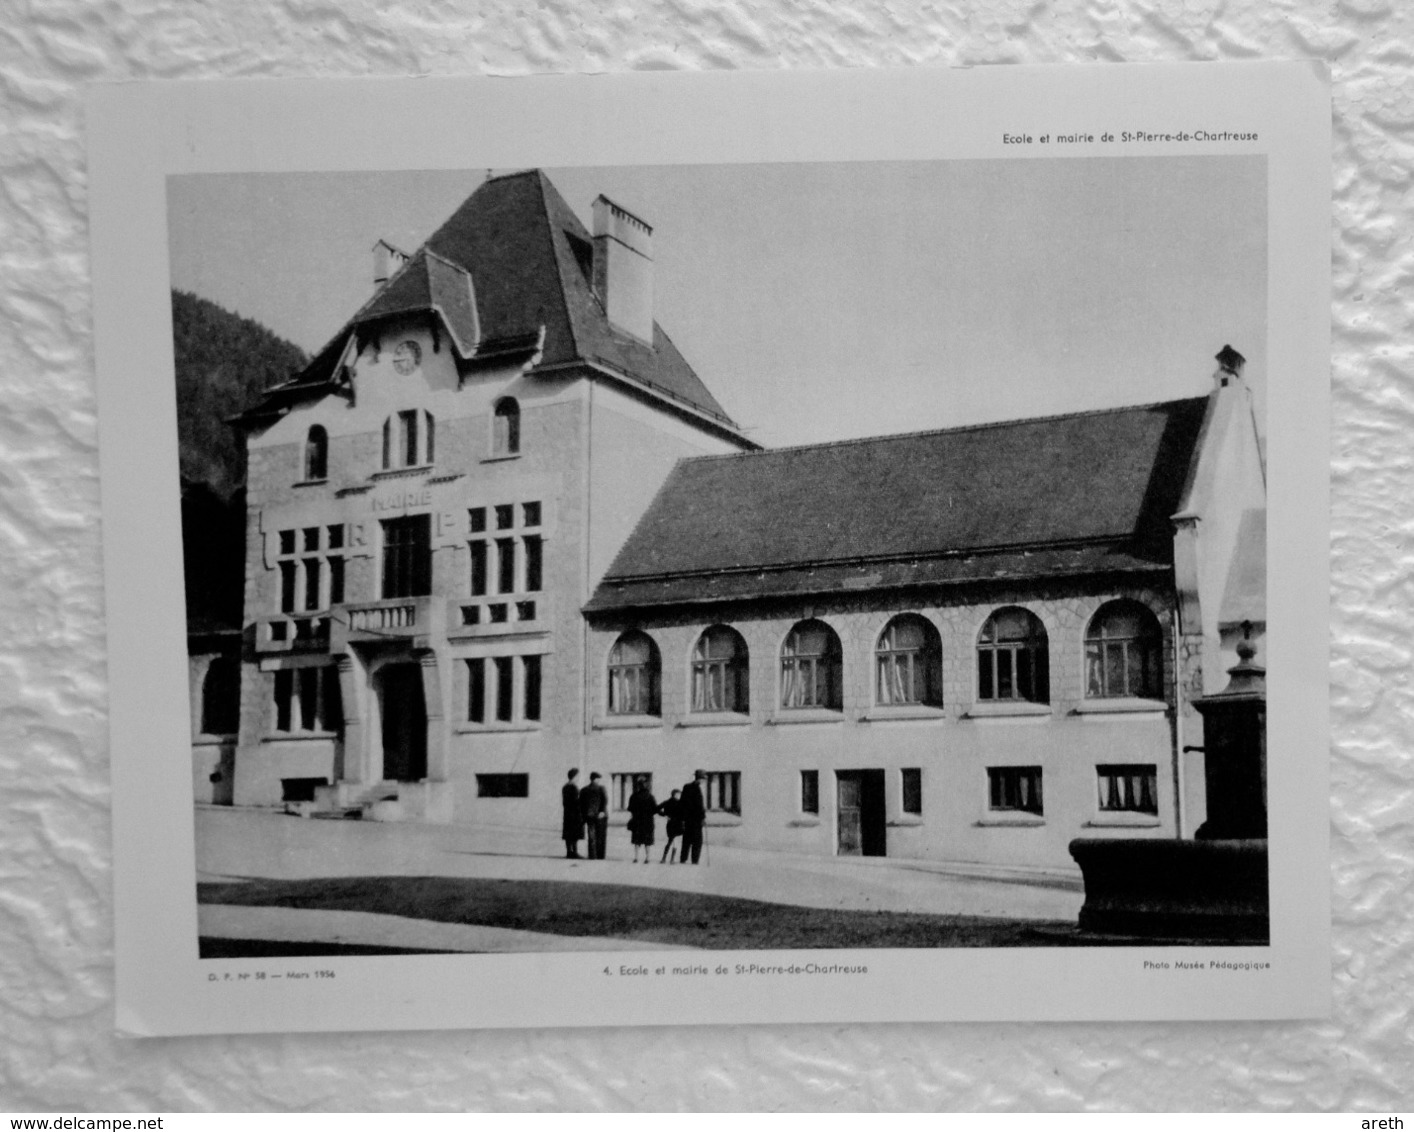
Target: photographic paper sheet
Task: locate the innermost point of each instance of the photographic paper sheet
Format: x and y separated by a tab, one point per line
709	548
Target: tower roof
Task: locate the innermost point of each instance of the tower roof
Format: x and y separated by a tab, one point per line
511	260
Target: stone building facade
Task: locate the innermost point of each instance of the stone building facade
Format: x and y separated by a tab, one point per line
499	528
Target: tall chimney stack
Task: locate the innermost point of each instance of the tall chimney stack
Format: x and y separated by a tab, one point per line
623	268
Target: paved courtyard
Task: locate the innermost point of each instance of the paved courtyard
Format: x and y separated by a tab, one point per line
267	876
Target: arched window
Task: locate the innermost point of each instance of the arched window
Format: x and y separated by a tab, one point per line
909	662
1124	653
316	454
720	671
408	439
505	432
1013	661
221	697
634	671
811	668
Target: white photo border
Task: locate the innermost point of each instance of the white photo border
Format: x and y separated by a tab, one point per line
141	133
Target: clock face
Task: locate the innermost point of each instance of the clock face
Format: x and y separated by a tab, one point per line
407	357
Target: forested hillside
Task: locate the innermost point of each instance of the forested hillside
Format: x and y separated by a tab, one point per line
223	361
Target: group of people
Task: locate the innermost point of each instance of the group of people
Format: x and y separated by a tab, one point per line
586	816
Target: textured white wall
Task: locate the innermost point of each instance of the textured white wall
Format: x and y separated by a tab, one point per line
56	963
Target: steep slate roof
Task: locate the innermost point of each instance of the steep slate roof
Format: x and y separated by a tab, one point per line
526	257
1082	493
428	282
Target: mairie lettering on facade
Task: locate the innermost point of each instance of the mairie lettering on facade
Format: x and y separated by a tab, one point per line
499	528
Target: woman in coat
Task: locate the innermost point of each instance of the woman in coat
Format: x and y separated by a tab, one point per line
642	807
572	825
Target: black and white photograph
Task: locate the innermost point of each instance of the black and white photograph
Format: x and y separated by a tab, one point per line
795	577
883	541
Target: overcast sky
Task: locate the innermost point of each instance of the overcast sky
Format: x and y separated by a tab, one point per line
824	301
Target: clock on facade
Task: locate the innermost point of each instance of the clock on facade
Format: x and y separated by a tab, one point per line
407	357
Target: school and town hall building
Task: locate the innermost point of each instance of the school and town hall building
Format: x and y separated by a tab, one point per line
499	528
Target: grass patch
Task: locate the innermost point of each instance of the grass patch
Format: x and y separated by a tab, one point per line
630	912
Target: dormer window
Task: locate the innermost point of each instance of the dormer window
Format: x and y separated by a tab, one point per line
408	440
316	454
505	428
407	357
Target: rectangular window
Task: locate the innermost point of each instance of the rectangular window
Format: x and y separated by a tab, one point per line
478	569
809	791
288	586
525	611
476	690
1015	788
336	581
284	698
1129	788
621	789
503	786
532	687
300	789
504	688
506	565
476	517
407	438
499	612
505	516
307	699
534	563
724	792
407	556
302	585
331	707
311	583
911	790
532	514
471	615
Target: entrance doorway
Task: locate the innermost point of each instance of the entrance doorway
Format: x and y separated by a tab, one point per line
861	831
404	713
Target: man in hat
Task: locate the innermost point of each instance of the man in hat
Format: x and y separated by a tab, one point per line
694	816
594	805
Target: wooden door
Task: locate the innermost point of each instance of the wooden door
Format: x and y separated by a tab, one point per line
851	817
873	824
404	724
862	822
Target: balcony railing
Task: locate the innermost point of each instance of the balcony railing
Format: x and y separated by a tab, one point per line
382	618
401	618
290	632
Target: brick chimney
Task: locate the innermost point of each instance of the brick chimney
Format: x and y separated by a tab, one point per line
623	268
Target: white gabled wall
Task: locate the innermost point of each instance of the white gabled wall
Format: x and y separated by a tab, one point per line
631	447
1227	481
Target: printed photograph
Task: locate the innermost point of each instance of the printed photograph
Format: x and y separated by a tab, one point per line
779	556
